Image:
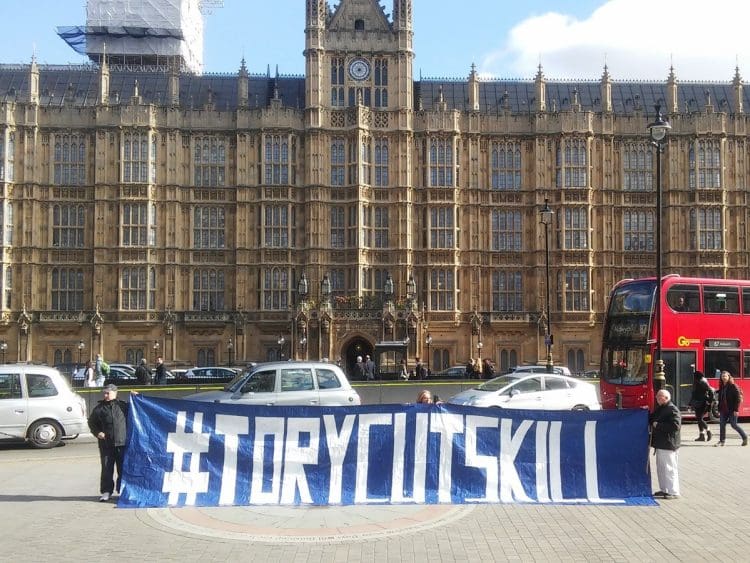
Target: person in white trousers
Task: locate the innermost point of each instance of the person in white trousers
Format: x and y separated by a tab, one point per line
665	439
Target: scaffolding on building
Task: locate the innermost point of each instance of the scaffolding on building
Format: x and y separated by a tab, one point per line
143	32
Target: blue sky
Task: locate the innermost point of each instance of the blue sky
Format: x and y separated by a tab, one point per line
638	39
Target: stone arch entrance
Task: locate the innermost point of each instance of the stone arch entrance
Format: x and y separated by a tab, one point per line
357	346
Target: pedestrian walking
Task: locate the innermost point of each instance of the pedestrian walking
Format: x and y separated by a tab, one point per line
359	369
730	399
420	371
404	370
488	369
89	375
470	373
143	373
101	368
665	439
108	423
701	400
369	368
161	372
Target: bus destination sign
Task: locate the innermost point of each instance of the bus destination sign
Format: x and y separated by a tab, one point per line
722	343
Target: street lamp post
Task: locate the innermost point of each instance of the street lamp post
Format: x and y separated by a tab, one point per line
81	346
280	342
428	341
3	348
230	346
658	132
546	217
302	345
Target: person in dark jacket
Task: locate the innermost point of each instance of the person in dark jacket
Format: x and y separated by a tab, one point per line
701	400
142	373
665	439
729	406
161	372
108	423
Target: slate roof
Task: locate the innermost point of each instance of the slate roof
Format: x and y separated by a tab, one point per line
58	83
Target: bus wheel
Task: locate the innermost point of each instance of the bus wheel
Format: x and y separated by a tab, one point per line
580	408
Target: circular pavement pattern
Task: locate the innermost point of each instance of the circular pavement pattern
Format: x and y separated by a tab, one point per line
304	524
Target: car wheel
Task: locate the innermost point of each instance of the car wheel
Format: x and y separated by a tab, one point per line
45	434
580	408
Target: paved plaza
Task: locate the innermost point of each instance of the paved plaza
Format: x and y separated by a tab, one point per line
50	512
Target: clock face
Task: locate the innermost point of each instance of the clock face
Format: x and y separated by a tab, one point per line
359	69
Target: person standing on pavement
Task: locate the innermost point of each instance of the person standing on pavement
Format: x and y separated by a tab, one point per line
108	424
730	399
404	370
161	372
665	439
470	371
369	368
89	375
701	400
101	368
143	373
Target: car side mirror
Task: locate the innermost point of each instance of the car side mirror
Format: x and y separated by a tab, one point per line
514	392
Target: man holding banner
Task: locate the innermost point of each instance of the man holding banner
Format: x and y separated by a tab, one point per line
665	438
108	423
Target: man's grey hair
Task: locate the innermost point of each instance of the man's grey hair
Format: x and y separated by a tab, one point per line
665	393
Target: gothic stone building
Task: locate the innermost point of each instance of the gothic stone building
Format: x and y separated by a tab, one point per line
227	218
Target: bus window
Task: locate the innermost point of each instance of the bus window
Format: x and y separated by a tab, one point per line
721	299
684	298
716	361
746	364
624	366
746	300
633	298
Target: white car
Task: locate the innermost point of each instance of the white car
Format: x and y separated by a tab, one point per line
525	370
286	383
537	391
38	406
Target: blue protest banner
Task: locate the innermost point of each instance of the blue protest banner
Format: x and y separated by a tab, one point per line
212	454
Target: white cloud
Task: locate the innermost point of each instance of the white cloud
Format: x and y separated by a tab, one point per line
638	39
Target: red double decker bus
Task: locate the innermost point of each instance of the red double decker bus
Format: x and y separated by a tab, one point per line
705	325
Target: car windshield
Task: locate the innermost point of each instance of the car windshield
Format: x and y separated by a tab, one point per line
236	382
497	383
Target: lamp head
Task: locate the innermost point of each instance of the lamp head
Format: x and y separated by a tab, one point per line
325	286
659	128
546	213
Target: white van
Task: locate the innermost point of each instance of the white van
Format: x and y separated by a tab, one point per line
38	406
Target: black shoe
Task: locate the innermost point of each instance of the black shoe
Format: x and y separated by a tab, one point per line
659	493
667	496
700	438
708	435
744	442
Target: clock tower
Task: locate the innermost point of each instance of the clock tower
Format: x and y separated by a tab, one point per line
356	54
358	147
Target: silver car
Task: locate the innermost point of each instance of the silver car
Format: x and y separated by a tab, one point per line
286	383
539	391
38	406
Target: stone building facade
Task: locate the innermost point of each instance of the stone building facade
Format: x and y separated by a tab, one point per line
231	218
